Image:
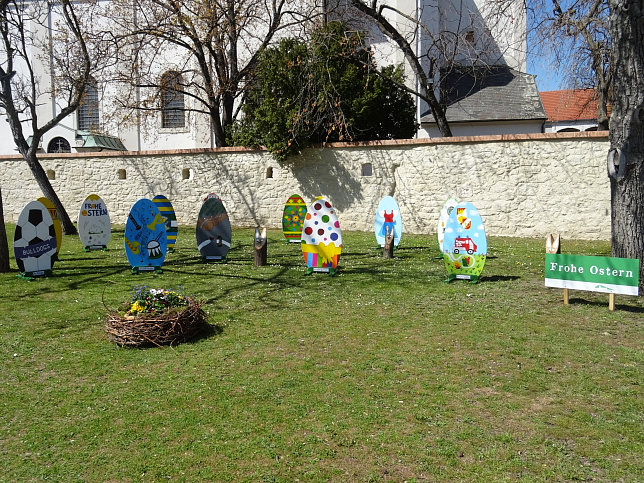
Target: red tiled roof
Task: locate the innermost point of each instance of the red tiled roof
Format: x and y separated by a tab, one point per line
570	104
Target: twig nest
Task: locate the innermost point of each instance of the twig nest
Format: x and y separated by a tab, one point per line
169	327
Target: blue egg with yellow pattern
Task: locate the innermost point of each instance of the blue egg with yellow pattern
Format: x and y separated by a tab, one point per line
145	237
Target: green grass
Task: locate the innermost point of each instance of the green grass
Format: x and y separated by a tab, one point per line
381	373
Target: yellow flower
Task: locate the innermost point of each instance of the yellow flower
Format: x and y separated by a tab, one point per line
137	307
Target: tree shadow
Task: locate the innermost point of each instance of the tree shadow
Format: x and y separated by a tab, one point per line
500	278
320	173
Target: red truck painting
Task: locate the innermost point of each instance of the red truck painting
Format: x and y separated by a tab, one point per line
466	244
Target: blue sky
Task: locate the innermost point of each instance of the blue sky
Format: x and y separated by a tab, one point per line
548	78
540	58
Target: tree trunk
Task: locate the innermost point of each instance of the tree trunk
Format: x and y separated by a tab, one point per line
627	131
4	246
217	129
227	109
48	192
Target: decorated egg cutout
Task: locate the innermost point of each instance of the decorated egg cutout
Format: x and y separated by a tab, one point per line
145	237
442	220
94	227
213	231
464	243
321	237
58	226
34	241
171	225
388	217
293	218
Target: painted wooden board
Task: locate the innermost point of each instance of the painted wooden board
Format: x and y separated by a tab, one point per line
214	233
293	218
94	228
465	244
321	237
171	225
145	237
442	220
34	241
388	216
58	226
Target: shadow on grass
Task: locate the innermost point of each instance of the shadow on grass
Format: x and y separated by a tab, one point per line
629	308
209	330
598	303
500	278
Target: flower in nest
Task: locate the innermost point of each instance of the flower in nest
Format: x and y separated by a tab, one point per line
152	300
137	307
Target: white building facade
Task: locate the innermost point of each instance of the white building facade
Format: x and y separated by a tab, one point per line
446	34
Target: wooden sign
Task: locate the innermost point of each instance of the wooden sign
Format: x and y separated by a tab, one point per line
553	244
593	274
260	249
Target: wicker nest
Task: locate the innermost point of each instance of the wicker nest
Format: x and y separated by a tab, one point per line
168	328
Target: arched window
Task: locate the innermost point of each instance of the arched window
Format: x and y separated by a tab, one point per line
88	109
173	113
59	145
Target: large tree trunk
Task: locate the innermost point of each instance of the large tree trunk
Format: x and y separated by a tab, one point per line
217	128
4	246
48	192
627	131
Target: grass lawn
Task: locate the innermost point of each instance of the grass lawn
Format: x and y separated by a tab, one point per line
381	373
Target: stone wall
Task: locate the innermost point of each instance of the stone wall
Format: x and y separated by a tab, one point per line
523	185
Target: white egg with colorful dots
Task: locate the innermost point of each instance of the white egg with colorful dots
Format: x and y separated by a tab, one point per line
321	237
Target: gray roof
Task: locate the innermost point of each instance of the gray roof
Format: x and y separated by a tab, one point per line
495	93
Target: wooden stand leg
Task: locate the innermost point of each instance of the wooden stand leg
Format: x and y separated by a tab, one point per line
260	252
388	249
611	301
566	299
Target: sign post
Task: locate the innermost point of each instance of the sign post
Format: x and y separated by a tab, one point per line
594	274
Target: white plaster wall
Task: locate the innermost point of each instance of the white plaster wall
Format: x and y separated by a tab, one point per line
523	185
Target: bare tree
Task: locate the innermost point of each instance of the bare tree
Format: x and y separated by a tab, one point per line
626	155
212	46
449	39
22	88
424	75
577	35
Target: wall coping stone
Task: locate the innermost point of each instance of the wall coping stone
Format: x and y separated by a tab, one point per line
600	135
